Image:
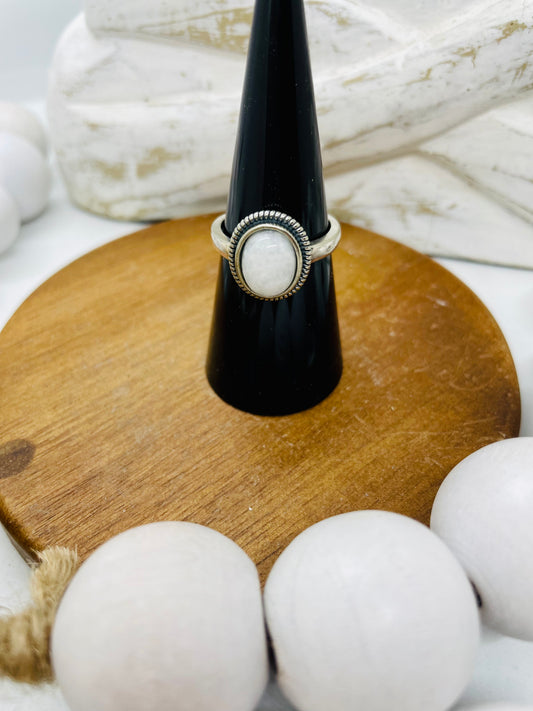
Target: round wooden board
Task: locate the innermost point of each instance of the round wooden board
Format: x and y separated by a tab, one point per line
108	420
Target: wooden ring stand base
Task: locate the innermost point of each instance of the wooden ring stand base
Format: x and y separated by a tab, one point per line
108	420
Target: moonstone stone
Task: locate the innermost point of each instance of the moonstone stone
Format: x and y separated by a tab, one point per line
268	263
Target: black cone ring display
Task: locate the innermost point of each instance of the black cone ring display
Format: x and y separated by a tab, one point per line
276	357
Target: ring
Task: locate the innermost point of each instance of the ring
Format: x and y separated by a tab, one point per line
270	253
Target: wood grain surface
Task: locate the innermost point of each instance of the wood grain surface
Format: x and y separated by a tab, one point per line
107	420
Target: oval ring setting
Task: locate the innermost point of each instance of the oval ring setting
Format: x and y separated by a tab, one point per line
270	253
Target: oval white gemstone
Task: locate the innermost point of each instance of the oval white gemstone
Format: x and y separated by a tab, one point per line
268	263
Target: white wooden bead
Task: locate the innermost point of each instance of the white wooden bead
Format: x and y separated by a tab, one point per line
15	118
484	513
24	173
9	220
167	617
370	610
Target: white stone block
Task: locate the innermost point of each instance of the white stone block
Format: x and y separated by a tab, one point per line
423	108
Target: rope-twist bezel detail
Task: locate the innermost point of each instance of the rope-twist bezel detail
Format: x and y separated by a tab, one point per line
273	219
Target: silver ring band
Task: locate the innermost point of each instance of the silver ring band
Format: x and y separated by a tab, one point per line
270	254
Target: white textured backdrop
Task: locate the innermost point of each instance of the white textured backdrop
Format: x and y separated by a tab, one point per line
425	111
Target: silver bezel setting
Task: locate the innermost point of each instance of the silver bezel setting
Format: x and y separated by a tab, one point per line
290	228
306	252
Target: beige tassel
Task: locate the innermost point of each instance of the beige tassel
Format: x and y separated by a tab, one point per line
25	636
